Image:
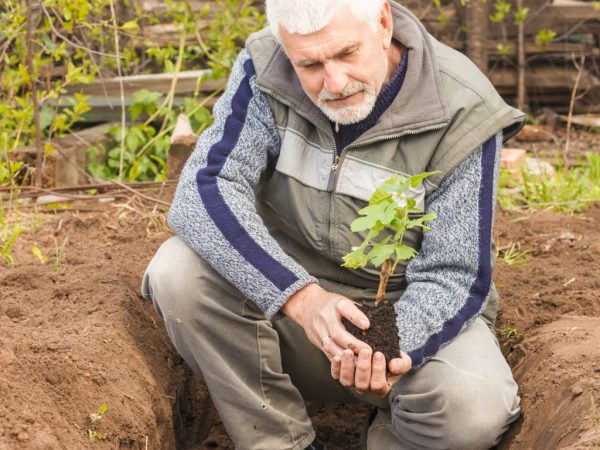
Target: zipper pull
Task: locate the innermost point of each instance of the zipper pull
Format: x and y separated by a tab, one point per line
332	173
337	127
335	163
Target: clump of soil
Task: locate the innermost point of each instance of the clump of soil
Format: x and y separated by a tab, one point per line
382	335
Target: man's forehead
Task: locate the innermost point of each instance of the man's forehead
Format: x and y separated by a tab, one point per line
309	54
321	45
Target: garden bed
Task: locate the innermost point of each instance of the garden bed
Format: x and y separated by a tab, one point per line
76	335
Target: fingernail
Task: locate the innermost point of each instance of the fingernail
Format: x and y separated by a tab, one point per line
378	356
364	324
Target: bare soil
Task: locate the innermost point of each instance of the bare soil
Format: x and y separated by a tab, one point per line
81	336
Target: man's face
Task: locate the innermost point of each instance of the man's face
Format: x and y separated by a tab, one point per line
342	67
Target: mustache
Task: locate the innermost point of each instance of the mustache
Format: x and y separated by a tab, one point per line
350	89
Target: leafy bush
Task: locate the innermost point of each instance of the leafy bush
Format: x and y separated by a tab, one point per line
564	190
73	42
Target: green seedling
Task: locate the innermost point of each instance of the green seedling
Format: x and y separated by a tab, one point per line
93	435
568	190
389	208
95	417
60	252
512	256
510	332
40	255
8	242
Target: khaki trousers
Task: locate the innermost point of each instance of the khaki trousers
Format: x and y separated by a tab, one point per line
260	372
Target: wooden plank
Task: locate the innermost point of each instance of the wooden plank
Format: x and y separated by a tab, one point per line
187	82
66	165
161	7
553	50
164	34
108	108
543	79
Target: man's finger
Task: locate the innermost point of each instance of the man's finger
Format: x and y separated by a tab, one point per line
347	369
399	366
336	367
379	382
351	312
345	340
330	347
363	371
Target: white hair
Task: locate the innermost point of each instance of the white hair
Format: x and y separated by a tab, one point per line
309	16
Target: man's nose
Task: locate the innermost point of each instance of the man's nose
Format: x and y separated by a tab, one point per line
335	79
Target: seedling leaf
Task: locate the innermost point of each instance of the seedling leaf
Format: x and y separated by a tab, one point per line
37	252
380	252
378	196
416	180
355	259
404	252
363	223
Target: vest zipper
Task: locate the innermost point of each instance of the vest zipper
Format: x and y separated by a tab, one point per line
334	166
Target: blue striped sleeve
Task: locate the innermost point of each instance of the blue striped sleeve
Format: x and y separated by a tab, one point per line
214	206
449	280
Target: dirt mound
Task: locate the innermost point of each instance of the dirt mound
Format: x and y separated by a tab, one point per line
75	338
78	337
549	326
560	380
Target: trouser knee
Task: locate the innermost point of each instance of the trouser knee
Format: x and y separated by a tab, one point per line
466	412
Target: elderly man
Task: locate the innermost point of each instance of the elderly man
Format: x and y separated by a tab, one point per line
333	98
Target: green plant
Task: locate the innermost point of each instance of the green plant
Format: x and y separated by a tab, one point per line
77	41
544	36
95	417
390	207
59	252
512	255
39	254
510	332
501	9
521	14
8	172
7	239
563	190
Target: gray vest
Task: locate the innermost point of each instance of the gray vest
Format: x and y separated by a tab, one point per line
445	110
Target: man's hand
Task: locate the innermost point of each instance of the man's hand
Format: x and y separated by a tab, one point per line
320	314
367	372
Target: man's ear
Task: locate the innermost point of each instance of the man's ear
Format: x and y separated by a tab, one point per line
386	25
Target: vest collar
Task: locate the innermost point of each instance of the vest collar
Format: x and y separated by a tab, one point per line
418	105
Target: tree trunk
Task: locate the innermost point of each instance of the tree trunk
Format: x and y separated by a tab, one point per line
521	91
477	33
